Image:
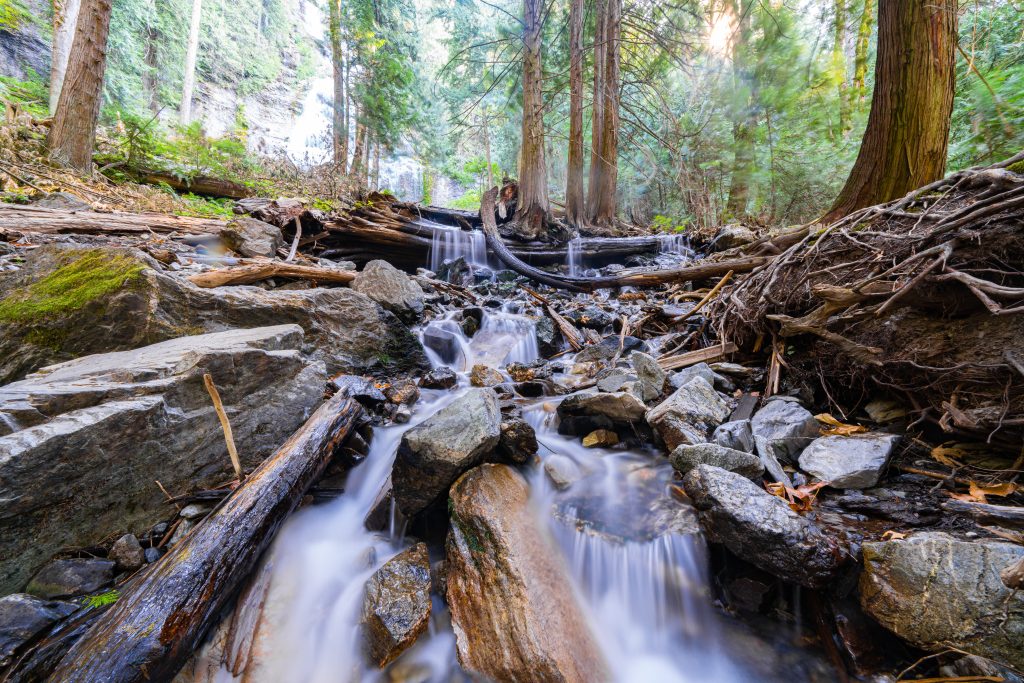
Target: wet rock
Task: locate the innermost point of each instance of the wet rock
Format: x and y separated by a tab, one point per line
127	552
519	372
97	300
512	608
936	592
732	236
591	316
403	392
651	376
484	376
689	414
456	271
252	238
685	458
403	414
131	418
23	616
445	344
581	425
746	594
396	606
608	348
518	442
434	453
682	377
71	577
391	288
761	528
439	378
362	389
600	438
547	334
848	462
152	555
620	407
736	435
562	470
783	428
614	381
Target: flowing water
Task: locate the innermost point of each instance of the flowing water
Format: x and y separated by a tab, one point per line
449	243
635	559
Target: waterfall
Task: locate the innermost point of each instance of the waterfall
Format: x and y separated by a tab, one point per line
573	257
449	243
676	243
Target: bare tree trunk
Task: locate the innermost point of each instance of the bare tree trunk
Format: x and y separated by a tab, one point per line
487	149
190	62
907	136
533	208
150	78
839	65
356	170
364	181
73	132
575	205
65	17
597	102
375	178
339	129
860	59
604	176
350	108
744	126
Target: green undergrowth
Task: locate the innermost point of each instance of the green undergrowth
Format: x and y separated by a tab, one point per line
90	275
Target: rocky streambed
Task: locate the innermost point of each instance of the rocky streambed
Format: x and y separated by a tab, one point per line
508	507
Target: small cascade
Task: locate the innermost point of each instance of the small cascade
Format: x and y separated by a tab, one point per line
449	243
573	257
676	243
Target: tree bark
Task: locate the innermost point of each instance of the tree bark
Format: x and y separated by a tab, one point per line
604	176
860	58
356	170
73	132
575	206
150	74
340	127
190	62
16	219
65	18
744	117
907	136
149	633
375	177
533	209
597	100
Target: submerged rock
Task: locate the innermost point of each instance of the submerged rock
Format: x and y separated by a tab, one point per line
434	453
937	592
396	606
93	434
439	378
689	414
252	238
848	462
391	288
514	613
23	616
761	528
72	577
684	458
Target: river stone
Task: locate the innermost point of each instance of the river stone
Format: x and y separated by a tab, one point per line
518	442
684	458
651	376
484	376
600	438
614	381
127	552
761	528
735	435
937	592
848	462
619	407
391	288
445	343
439	378
68	301
396	606
71	577
434	453
252	238
93	434
514	613
689	414
22	616
783	428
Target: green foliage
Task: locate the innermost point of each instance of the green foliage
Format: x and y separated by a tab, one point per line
32	94
668	225
205	207
13	14
102	599
428	185
468	201
86	277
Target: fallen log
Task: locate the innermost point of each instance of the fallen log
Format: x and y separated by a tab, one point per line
204	185
986	513
248	272
150	631
16	220
684	360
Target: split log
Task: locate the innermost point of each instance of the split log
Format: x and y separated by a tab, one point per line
15	220
149	633
250	271
684	360
986	513
204	185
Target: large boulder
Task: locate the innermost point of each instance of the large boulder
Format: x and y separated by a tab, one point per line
761	528
391	288
689	414
83	442
69	302
513	609
22	617
396	606
253	238
937	592
849	462
433	454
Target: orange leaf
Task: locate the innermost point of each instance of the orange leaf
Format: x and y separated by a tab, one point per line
833	427
978	491
891	535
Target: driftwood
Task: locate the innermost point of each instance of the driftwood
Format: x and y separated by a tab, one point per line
149	633
15	220
684	360
250	271
986	513
204	185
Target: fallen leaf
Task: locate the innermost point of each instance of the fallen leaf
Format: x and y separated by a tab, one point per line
979	491
833	427
891	535
799	499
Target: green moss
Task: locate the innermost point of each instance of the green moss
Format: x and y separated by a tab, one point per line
472	540
90	275
1017	167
